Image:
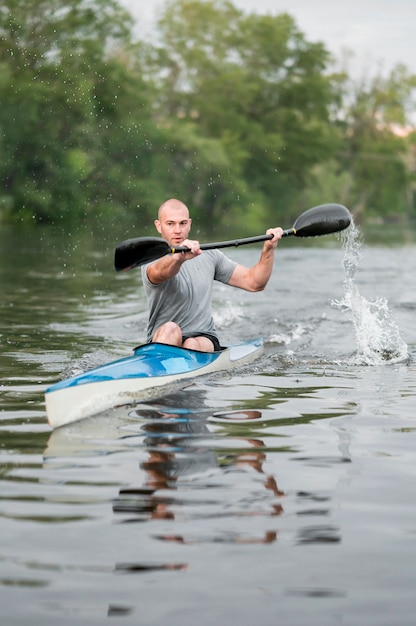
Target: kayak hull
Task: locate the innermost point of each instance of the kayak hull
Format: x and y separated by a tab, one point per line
153	370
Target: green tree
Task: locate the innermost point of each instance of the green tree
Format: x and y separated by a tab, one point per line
374	119
236	113
256	87
56	61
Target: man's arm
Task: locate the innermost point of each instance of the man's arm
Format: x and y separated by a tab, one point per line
169	265
256	278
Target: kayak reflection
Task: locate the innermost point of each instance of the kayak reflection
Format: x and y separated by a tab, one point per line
190	465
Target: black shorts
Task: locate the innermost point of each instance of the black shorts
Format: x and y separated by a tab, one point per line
213	338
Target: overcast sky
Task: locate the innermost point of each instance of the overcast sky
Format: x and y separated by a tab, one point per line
379	32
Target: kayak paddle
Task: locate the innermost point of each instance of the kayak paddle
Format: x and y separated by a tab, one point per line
320	220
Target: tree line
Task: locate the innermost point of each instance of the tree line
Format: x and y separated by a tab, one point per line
237	114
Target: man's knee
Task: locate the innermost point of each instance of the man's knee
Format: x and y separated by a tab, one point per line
199	343
168	333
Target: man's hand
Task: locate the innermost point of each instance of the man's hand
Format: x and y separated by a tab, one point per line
194	248
277	233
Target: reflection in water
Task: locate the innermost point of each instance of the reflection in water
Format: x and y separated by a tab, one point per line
133	568
201	477
180	449
206	471
235	416
119	611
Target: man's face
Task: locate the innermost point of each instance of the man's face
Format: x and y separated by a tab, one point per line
174	225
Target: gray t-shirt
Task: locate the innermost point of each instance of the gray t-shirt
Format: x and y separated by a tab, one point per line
187	297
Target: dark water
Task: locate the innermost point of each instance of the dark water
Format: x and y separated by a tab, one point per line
281	494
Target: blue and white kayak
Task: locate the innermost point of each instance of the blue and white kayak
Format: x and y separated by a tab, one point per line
153	370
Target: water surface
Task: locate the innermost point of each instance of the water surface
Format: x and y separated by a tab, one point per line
280	493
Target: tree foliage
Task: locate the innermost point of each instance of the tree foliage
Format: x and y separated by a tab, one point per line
61	80
238	114
375	122
254	84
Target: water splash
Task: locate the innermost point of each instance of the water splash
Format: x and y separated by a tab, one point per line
377	334
293	333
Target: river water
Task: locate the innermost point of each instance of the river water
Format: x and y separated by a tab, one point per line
283	493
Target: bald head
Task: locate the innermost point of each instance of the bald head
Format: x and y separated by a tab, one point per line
173	221
172	205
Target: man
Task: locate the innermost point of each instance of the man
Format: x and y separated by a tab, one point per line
179	286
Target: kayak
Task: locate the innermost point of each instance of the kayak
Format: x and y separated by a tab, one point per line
153	370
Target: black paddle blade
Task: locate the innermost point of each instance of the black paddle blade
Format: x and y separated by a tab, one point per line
134	252
322	220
